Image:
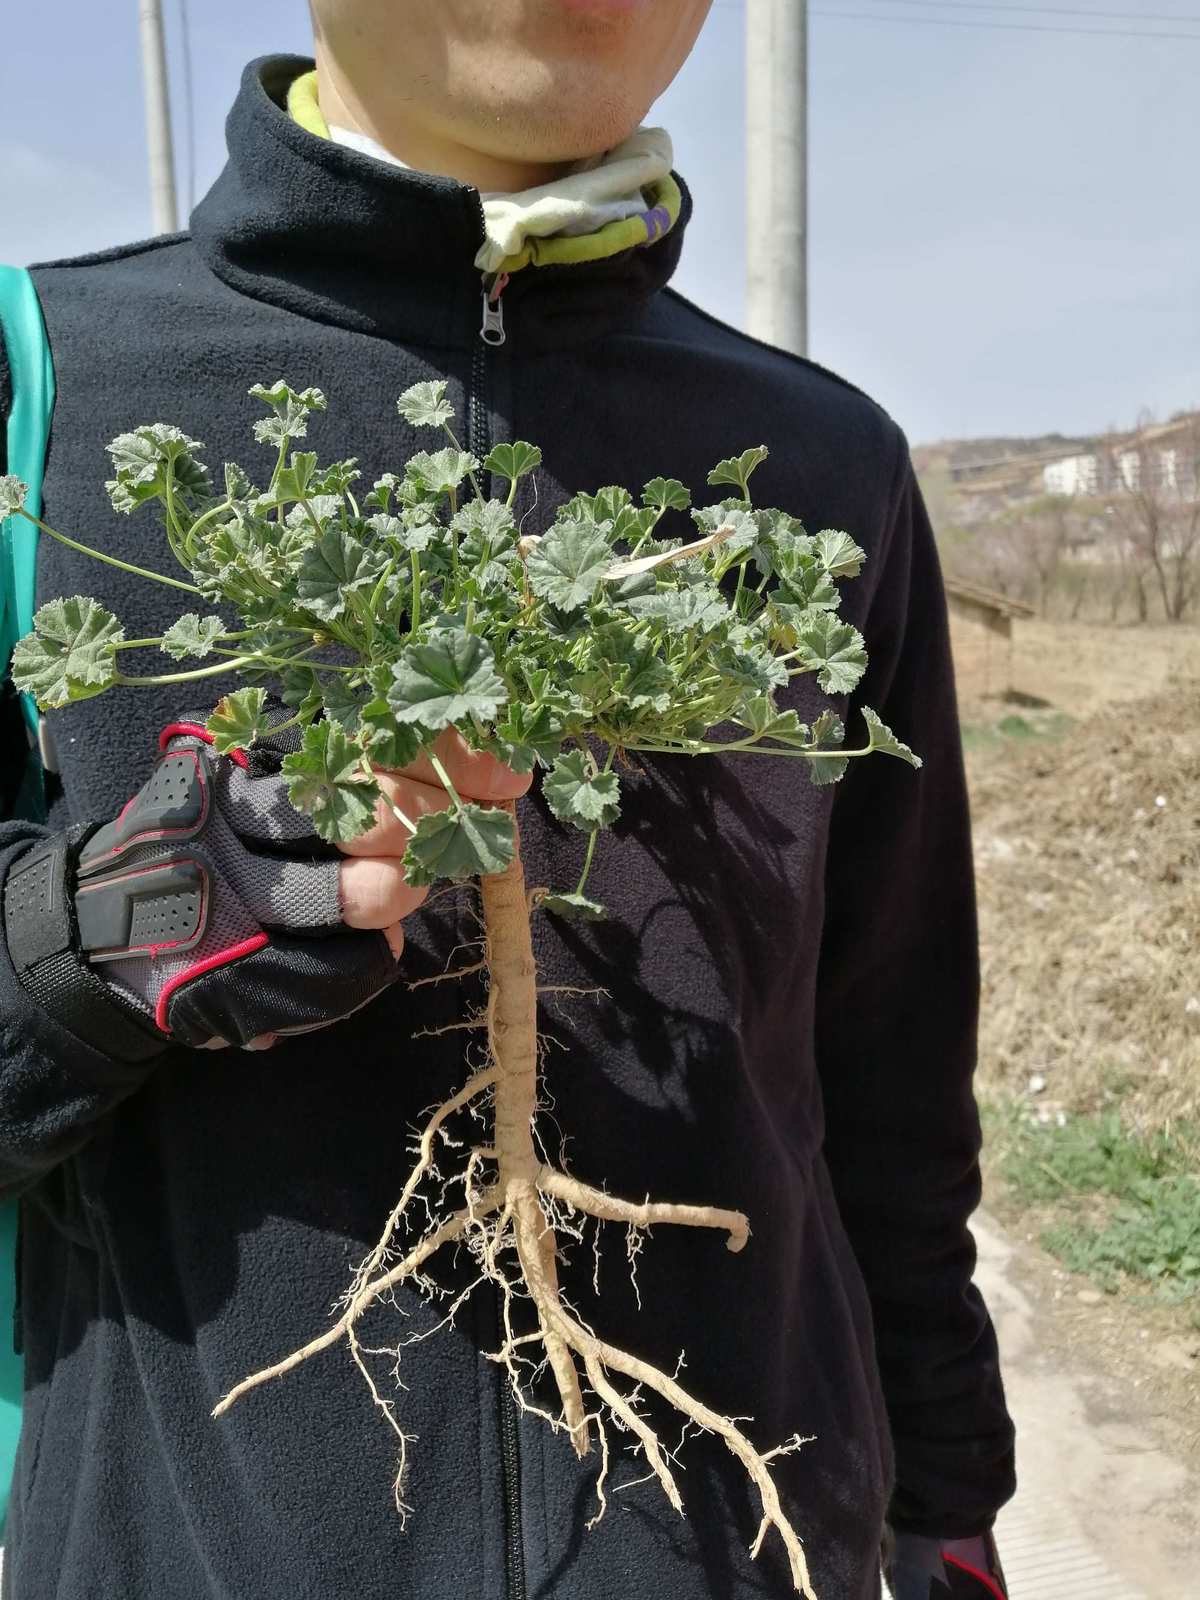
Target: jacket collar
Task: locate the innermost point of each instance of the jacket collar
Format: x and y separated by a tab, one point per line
319	229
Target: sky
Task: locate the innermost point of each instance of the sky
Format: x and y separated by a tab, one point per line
1004	235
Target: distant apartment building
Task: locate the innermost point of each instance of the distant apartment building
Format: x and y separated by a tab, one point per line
1072	475
1164	458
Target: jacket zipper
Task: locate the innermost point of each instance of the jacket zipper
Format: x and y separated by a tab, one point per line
491	335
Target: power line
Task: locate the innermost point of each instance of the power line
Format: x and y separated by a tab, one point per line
1053	11
1030	10
1007	27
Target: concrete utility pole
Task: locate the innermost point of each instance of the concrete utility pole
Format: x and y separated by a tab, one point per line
777	172
158	118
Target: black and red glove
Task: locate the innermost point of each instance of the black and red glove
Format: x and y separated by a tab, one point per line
919	1568
207	913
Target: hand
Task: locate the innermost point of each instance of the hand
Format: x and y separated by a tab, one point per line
920	1568
374	893
209	913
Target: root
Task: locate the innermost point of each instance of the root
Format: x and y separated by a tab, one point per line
453	1228
610	1209
522	1209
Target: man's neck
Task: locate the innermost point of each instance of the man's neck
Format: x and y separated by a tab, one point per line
420	148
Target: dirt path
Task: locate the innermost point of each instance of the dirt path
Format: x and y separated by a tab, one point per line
1108	1506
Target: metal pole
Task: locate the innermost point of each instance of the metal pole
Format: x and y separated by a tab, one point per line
777	172
158	118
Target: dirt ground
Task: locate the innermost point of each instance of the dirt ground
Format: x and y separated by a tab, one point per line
1082	667
1087	847
1086	817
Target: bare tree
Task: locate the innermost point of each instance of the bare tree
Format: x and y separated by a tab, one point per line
1152	482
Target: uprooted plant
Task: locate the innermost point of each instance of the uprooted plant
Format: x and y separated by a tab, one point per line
424	607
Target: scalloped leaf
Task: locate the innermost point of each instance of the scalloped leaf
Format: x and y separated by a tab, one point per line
12	495
513	461
71	653
738	469
568	565
191	635
885	741
238	719
464	843
424	405
574	905
576	796
666	494
325	780
828	733
448	678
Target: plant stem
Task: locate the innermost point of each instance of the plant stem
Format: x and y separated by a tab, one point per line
587	860
414	604
188	677
111	561
444	777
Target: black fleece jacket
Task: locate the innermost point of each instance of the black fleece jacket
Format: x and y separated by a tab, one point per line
790	1028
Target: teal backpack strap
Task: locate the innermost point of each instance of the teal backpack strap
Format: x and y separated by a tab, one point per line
32	373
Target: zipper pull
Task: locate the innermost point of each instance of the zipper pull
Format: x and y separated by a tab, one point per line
491	330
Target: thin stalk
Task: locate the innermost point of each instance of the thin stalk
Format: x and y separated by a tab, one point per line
743	749
110	561
188	677
444	777
213	511
404	820
587	860
471	478
414	604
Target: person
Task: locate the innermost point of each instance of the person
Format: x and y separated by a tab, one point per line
466	191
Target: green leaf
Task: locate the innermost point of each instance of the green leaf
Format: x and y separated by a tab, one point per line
379	496
440	472
885	741
528	735
513	461
390	744
192	635
573	905
666	494
325	780
738	469
337	477
333	567
460	844
71	653
344	704
577	796
835	651
828	733
680	610
838	554
294	480
424	405
566	566
291	412
238	719
448	678
141	459
12	495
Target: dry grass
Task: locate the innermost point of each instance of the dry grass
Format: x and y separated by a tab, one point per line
1088	865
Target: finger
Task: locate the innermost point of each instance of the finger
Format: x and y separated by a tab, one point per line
476	774
395	938
374	893
389	836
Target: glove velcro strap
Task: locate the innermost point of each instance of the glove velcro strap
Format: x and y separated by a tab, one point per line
42	937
